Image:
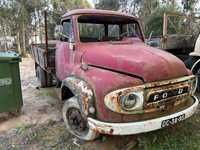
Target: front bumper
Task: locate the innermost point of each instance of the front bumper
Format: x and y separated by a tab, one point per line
140	126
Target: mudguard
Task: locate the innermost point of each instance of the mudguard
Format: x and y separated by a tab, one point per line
195	66
83	91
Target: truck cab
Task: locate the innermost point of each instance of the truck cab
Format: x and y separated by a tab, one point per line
112	82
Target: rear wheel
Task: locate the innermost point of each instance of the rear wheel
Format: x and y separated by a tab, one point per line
41	76
76	122
49	80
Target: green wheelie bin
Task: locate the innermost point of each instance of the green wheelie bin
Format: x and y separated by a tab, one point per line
10	85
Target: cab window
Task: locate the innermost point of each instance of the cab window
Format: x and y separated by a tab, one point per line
67	34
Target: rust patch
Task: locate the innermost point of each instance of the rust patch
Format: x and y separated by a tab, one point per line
104	129
82	91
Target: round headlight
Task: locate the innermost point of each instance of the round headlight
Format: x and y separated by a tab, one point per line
128	101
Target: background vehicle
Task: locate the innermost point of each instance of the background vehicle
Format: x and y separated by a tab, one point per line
180	37
180	32
111	81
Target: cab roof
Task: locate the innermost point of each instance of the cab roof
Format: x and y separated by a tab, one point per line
95	11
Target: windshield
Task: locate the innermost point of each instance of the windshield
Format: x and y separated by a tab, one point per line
107	28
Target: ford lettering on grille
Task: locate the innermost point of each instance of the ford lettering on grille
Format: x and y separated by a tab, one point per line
157	96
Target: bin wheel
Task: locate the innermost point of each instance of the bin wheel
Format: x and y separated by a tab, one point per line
76	123
41	76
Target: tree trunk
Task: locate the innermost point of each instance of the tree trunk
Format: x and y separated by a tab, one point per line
18	43
23	40
4	36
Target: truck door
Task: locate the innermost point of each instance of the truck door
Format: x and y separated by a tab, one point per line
64	61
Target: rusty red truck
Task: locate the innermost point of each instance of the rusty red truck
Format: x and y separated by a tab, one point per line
110	81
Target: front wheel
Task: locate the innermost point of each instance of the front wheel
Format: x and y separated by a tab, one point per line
76	122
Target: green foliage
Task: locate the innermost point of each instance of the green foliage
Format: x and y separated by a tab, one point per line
189	5
108	4
151	12
17	16
155	21
20	17
23	128
61	6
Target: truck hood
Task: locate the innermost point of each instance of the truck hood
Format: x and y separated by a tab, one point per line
136	59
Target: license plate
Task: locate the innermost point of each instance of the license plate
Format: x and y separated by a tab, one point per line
172	121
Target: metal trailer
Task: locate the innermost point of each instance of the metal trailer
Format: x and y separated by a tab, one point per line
43	54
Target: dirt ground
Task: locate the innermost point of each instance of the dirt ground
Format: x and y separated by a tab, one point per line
40	126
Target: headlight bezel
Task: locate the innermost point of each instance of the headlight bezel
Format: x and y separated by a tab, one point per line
112	100
138	104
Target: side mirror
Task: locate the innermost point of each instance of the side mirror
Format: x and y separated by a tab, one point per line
58	32
150	36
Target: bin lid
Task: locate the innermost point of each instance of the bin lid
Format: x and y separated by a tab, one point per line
9	56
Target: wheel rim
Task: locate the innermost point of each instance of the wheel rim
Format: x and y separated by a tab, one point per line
77	123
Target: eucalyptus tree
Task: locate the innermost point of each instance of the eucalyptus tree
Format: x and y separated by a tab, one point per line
17	15
108	4
61	6
6	19
189	5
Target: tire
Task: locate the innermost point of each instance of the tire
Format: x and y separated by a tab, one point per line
49	80
76	123
36	73
41	76
190	61
198	80
196	71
